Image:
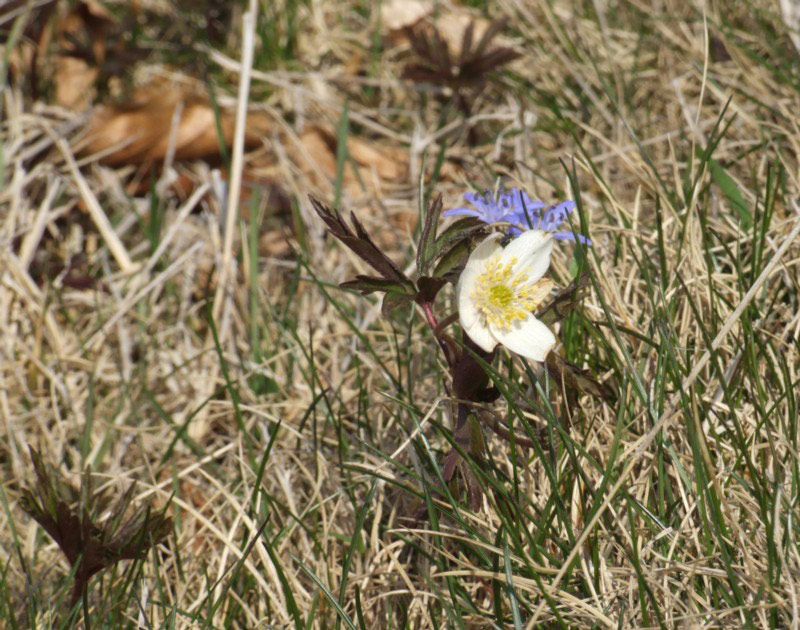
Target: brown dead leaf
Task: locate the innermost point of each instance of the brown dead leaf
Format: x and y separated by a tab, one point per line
74	82
81	42
388	163
316	157
398	14
143	127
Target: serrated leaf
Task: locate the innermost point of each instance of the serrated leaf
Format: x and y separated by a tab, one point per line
459	228
369	284
427	237
90	547
462	228
119	510
360	242
452	259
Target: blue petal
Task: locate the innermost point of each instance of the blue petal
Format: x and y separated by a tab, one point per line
476	199
518	209
526	203
454	212
531	220
487	208
556	215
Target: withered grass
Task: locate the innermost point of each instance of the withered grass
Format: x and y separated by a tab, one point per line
294	431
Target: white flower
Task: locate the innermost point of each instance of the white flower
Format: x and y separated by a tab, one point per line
501	287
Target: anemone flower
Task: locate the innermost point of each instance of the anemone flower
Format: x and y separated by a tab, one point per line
500	288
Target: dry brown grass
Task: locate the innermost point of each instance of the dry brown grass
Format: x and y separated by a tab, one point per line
628	96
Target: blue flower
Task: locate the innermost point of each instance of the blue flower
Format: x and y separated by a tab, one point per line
526	218
523	213
491	209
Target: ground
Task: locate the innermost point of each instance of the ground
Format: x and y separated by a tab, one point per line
171	318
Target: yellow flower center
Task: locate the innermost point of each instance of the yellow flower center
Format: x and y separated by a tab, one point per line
503	296
500	296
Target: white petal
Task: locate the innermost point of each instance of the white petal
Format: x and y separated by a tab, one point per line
467	313
481	335
532	250
529	338
476	263
471	321
488	248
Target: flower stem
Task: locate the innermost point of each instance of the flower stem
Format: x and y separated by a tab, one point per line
427	308
430	317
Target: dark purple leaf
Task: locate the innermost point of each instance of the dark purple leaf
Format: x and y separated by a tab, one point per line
361	243
427	236
369	284
428	288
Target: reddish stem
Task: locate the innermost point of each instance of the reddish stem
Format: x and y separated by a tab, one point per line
427	308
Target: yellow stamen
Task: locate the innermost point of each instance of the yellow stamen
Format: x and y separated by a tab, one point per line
503	297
